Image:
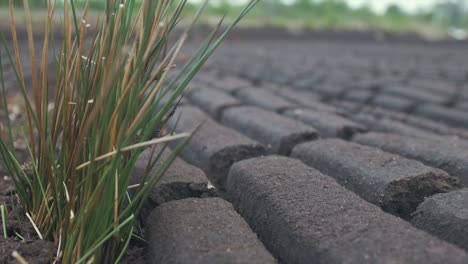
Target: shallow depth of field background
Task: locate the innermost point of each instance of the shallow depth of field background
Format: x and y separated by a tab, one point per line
430	18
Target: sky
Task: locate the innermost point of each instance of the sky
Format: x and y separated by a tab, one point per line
378	6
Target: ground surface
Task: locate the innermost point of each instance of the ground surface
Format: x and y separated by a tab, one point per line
321	151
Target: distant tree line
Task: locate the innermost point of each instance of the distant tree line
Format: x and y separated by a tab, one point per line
448	12
32	3
334	11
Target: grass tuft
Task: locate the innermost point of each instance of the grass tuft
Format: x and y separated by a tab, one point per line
106	103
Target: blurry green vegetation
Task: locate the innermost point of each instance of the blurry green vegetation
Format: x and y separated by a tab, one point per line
325	14
336	14
19	3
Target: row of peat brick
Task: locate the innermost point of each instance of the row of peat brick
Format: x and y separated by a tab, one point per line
443	99
301	214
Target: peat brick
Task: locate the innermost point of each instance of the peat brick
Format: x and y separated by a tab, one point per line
299	97
303	216
436	127
272	86
306	99
213	101
462	106
415	94
202	231
213	148
359	96
391	102
303	83
230	84
447	154
264	99
330	90
204	78
412	124
194	85
280	133
364	84
440	87
216	80
181	180
328	124
446	216
452	117
322	107
347	107
396	184
382	124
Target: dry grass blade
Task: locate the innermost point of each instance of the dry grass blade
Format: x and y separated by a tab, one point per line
18	257
135	146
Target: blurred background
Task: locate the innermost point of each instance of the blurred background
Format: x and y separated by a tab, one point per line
430	18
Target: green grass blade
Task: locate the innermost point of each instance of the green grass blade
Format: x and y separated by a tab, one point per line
2	209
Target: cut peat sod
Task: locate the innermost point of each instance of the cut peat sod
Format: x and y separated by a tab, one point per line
214	147
202	231
396	184
304	216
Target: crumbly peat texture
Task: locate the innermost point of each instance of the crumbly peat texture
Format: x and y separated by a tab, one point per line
202	231
303	216
396	184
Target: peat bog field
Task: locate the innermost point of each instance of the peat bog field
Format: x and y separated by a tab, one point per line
319	149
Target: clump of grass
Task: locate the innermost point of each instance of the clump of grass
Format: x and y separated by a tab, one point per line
107	103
